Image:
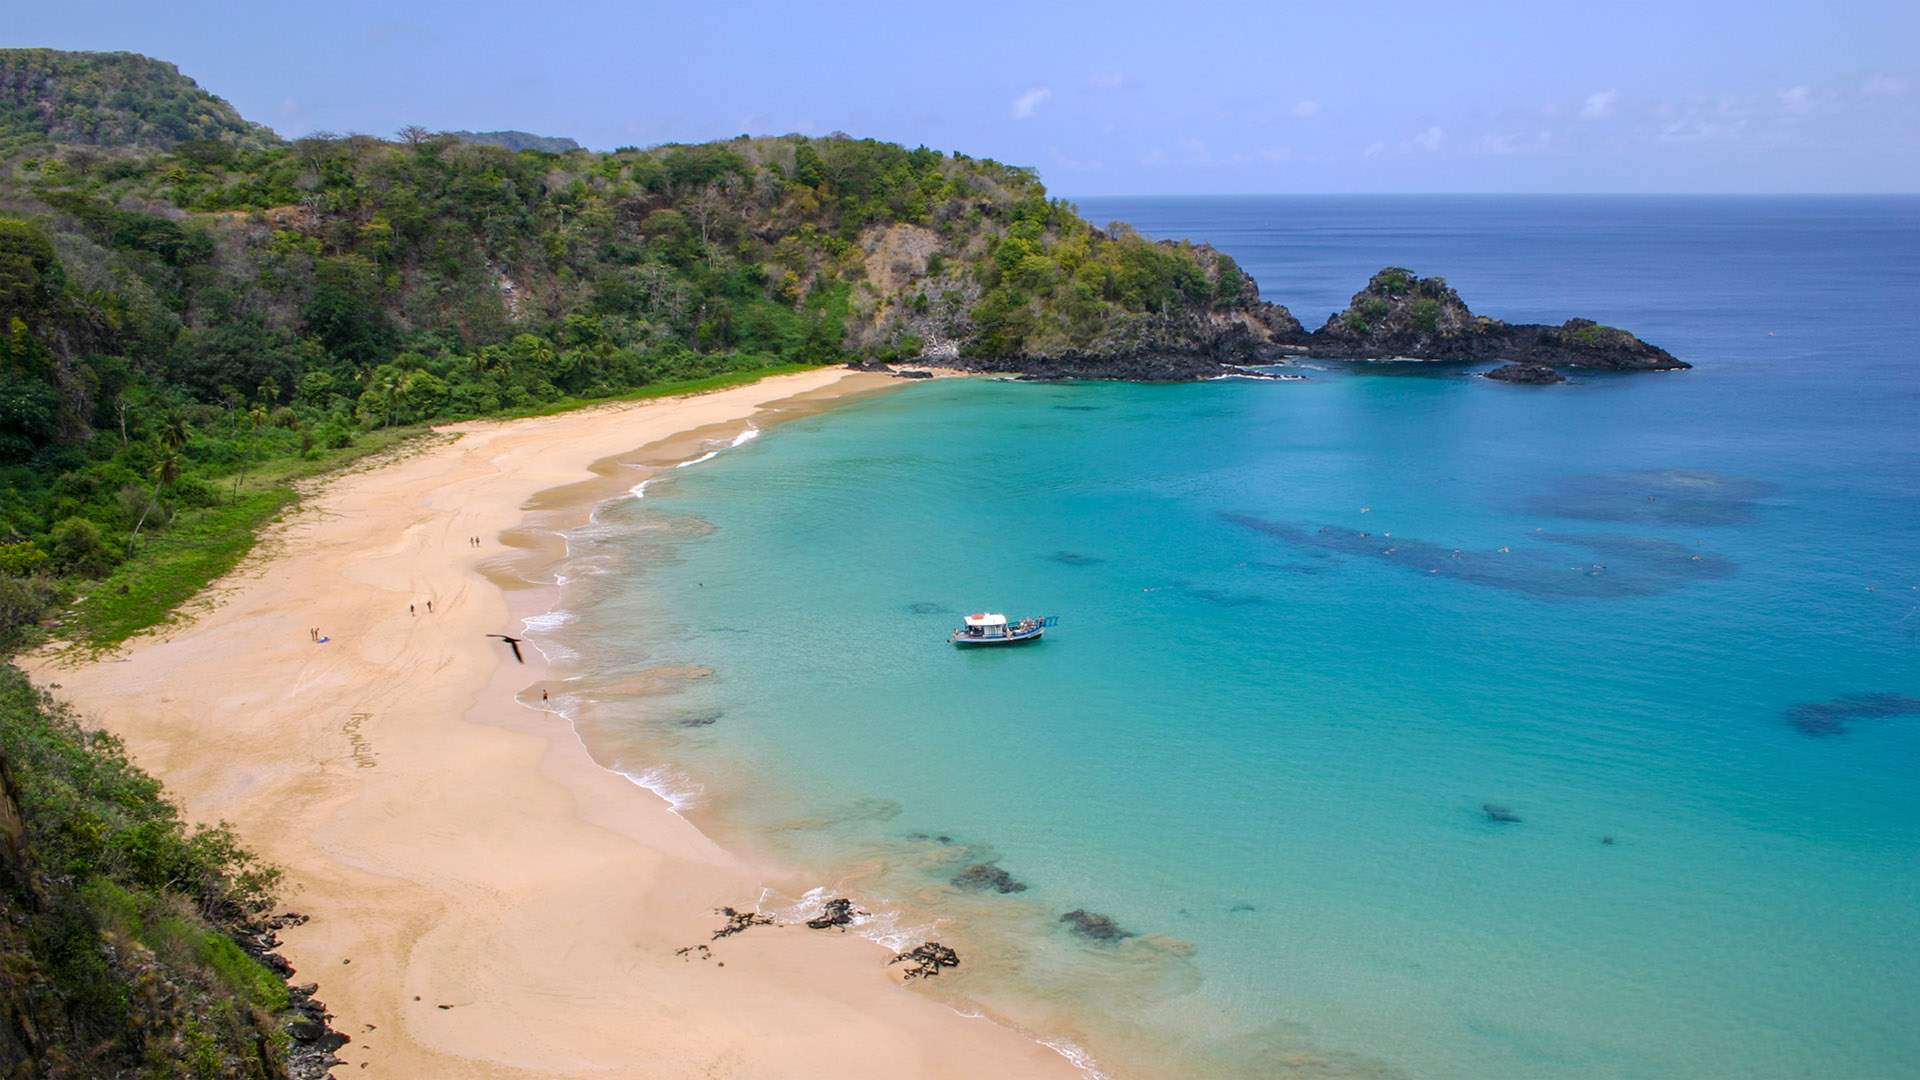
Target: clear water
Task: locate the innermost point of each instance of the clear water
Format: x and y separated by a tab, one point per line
1266	745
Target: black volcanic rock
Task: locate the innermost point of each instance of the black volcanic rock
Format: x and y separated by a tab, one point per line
1401	315
1529	373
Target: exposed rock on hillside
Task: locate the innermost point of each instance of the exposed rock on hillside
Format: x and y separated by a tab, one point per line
1400	315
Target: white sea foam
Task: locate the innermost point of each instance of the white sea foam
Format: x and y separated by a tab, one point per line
738	440
1080	1058
885	928
680	790
551	620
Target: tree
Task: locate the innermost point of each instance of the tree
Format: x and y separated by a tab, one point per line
166	470
79	548
174	431
256	419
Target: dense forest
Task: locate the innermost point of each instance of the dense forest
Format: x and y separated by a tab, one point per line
195	311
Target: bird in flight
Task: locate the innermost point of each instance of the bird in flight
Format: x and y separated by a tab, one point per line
514	643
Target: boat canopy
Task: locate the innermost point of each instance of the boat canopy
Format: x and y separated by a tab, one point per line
986	620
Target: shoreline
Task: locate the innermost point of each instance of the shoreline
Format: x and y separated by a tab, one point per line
485	899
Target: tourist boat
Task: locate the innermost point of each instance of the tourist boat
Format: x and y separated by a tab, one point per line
995	630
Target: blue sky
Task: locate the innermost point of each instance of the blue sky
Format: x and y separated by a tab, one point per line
1113	98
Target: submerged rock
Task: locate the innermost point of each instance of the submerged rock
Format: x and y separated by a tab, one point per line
1093	926
1499	813
1822	719
1074	558
982	877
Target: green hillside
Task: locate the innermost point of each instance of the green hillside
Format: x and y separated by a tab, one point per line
110	100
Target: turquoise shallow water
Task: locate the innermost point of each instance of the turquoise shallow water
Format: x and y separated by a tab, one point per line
1311	631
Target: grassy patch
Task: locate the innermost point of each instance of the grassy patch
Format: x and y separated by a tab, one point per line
661	390
171	567
242	973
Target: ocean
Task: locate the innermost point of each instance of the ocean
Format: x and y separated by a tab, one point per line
1397	723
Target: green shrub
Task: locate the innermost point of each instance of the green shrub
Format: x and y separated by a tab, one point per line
21	558
1426	315
80	548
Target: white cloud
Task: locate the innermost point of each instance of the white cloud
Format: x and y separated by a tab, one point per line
1599	104
1028	103
1284	153
1884	86
1109	81
289	108
1156	156
1376	149
1074	164
1304	109
1429	139
1507	143
1795	100
1196	150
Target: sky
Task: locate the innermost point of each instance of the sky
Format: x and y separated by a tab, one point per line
1116	98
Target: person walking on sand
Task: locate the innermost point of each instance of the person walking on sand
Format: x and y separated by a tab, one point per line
429	607
409	609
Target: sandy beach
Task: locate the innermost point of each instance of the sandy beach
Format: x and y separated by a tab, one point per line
484	900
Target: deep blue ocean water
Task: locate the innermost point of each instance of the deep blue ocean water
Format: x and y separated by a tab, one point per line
1317	638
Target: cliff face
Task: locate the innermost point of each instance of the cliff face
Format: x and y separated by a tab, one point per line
1195	338
1401	315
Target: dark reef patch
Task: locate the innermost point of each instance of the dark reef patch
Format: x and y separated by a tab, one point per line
1667	496
1823	719
1611	566
1499	814
699	719
928	607
986	877
1072	558
1222	597
1081	408
1094	927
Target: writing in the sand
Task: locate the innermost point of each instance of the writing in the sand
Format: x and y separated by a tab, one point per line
357	744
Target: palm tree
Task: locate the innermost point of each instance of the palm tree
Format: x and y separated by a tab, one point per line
256	419
174	430
166	470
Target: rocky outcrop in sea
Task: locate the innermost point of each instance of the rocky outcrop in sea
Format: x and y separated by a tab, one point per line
1398	316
